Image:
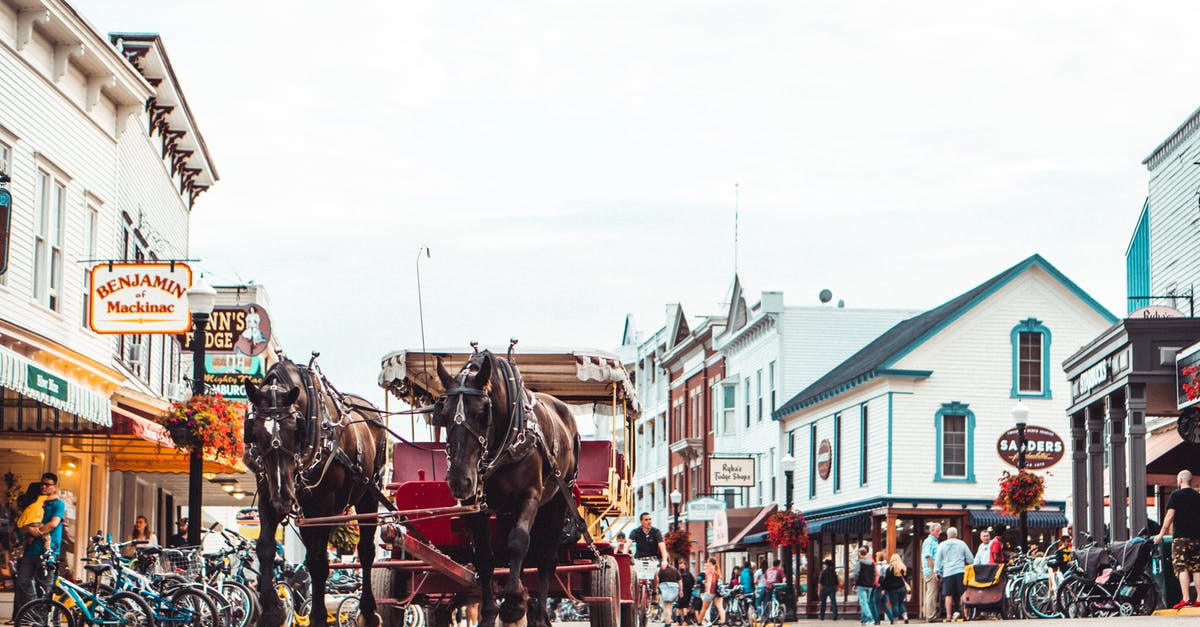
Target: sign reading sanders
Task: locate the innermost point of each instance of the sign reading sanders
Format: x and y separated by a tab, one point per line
1043	447
139	298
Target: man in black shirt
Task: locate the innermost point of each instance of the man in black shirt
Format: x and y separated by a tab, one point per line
830	582
648	541
179	539
1183	513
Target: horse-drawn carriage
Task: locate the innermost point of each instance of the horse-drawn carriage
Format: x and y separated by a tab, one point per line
431	538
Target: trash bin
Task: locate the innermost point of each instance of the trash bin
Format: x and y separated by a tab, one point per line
1164	574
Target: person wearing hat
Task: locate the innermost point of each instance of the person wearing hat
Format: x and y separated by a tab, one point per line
180	538
830	582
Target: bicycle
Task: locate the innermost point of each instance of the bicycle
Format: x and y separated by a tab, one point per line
775	609
168	602
81	606
646	569
737	607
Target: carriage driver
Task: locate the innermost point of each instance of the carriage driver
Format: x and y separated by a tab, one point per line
648	541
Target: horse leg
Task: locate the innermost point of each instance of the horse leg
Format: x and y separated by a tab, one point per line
264	548
484	565
316	558
545	555
516	600
369	504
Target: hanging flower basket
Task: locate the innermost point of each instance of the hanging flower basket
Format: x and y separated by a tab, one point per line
1021	492
679	543
210	422
788	528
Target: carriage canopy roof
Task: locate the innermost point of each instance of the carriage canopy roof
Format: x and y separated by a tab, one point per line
575	376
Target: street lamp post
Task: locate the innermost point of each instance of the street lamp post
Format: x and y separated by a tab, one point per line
676	501
201	299
1020	415
788	464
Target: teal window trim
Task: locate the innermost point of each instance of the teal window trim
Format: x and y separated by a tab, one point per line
862	445
837	453
955	408
812	460
1030	325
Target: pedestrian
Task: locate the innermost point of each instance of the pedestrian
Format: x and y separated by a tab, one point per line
1183	518
880	602
141	534
668	590
687	585
760	586
895	587
30	577
953	555
180	537
830	583
622	543
863	577
984	554
747	579
929	582
711	593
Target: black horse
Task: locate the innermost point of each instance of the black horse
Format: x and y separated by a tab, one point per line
314	453
513	452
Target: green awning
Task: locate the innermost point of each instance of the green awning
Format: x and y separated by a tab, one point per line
33	380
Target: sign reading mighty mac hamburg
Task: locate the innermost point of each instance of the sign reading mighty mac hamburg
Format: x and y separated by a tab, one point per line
242	329
1043	447
138	298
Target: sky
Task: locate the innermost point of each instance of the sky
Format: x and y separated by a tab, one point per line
568	163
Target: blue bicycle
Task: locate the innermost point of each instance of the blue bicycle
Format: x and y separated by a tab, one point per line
68	604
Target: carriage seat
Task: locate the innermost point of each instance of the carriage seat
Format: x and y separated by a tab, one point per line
595	457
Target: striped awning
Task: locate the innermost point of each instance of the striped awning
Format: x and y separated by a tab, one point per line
858	523
35	381
1036	520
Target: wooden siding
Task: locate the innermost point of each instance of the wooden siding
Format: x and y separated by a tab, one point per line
1174	229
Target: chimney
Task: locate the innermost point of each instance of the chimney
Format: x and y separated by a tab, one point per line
772	302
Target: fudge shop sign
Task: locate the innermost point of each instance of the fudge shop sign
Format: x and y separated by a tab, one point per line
1043	447
731	473
139	298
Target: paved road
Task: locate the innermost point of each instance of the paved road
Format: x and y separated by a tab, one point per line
1192	620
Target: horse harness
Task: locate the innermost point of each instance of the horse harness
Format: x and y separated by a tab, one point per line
318	430
523	433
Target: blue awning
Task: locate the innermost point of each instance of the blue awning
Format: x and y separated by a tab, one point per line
858	523
1035	519
755	538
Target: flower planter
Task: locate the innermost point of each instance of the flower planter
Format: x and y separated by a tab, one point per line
209	423
181	436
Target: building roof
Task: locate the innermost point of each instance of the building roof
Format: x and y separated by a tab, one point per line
874	359
1173	141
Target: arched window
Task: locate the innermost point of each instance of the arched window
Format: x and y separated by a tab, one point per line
1031	360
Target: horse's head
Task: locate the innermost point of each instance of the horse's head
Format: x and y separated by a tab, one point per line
275	438
466	411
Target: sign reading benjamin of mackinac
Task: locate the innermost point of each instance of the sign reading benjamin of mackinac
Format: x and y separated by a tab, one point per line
731	472
228	373
1043	447
139	298
241	329
1187	376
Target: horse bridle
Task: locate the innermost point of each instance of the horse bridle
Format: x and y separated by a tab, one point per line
273	416
461	390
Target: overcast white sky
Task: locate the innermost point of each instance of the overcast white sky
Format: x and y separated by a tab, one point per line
569	162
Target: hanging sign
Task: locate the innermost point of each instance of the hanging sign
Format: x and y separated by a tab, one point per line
731	473
719	529
45	382
227	374
139	298
824	459
1043	447
704	508
241	329
1154	312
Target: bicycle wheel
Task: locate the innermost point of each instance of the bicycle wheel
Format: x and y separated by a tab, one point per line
1145	596
347	612
193	608
414	616
286	598
43	613
242	603
131	609
1038	601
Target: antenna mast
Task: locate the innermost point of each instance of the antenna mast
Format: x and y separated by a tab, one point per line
736	208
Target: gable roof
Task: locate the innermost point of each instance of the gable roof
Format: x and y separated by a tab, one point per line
874	359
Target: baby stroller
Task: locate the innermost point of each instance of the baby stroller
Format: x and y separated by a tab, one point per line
984	590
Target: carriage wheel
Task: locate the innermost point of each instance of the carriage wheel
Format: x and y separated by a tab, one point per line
383	586
606	583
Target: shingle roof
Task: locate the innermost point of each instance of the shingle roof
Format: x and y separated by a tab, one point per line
873	358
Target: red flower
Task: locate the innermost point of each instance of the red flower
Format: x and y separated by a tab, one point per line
1020	492
788	528
214	423
679	543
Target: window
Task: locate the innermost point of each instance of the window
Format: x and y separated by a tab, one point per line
862	444
758	390
729	404
771	465
48	241
837	452
771	382
1031	359
955	426
91	230
697	420
747	399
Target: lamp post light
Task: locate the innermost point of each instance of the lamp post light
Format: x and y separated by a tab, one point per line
676	501
1020	415
201	299
788	464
